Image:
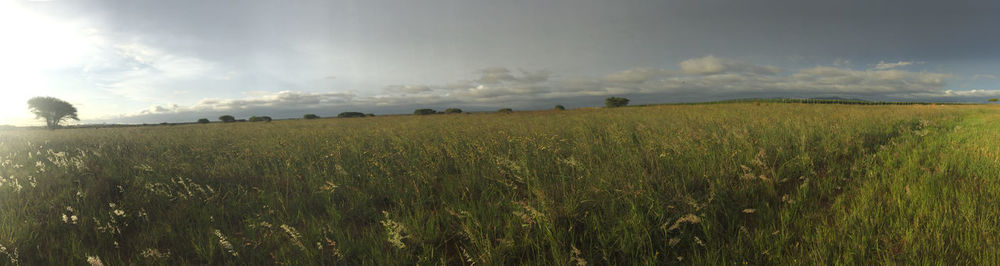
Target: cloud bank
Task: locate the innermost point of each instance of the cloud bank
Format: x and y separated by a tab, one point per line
704	78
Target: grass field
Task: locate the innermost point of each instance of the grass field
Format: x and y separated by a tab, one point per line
732	183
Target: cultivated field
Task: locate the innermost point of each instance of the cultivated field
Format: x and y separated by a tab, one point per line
704	184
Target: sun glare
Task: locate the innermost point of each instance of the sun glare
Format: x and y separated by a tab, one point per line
32	49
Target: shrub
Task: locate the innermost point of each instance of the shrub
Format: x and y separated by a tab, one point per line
424	112
227	119
993	100
350	114
453	111
310	116
204	121
505	110
260	119
612	102
370	115
559	107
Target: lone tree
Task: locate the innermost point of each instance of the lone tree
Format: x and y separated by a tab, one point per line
559	107
350	114
310	116
204	121
453	111
424	112
260	119
505	110
612	102
993	100
53	110
227	119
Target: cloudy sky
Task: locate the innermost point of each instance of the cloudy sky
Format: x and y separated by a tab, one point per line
171	61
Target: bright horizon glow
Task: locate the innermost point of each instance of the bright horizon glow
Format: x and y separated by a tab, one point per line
31	46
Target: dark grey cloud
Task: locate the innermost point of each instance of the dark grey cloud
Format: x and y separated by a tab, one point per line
637	75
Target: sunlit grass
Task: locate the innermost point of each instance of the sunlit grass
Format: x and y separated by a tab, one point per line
720	183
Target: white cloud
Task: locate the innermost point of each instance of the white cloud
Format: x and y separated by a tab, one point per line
495	75
145	73
883	65
278	100
984	76
710	65
961	94
841	62
408	88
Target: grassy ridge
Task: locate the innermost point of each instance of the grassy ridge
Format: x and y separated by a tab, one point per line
723	183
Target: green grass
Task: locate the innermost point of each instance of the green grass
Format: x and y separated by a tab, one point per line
764	183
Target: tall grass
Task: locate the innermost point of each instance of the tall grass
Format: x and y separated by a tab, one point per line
721	183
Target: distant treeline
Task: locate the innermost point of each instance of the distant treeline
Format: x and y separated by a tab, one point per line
809	101
611	102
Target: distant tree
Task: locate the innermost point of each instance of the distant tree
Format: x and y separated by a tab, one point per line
453	111
53	110
350	114
204	121
227	119
424	112
370	115
560	107
993	100
260	119
505	110
612	102
310	116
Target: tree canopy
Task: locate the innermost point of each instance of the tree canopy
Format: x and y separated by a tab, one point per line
227	119
424	112
611	102
53	110
351	114
260	119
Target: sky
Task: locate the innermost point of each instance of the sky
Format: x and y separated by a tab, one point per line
158	61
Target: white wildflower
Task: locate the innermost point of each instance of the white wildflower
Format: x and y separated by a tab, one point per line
690	218
12	254
329	186
94	261
225	243
294	235
575	257
394	230
155	253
